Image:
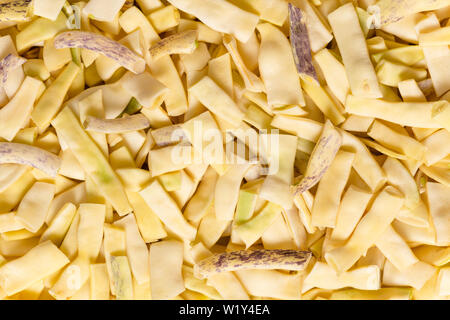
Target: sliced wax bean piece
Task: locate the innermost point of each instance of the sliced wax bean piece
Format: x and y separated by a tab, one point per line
302	127
221	16
10	173
437	37
75	195
166	259
210	228
36	68
148	222
34	206
353	205
29	155
169	159
148	91
305	211
99	282
443	282
171	181
92	160
167	210
38	263
250	231
220	70
325	277
321	158
71	280
278	236
400	143
179	43
49	9
39	30
252	82
55	59
14	115
202	199
8	64
276	60
383	211
59	226
15	10
114	244
122	125
228	286
194	284
9	222
413	234
90	230
272	11
164	18
271	284
413	114
323	101
121	276
438	146
300	43
217	101
103	10
227	191
50	102
409	55
186	190
441	114
10	197
437	256
399	177
384	150
137	251
395	249
70	244
205	33
439	204
393	11
134	179
360	72
381	294
110	48
330	189
253	259
276	187
357	123
334	73
391	73
414	276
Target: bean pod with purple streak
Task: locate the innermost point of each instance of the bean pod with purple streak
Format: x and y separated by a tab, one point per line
17	10
321	158
31	156
8	64
301	46
294	260
179	43
103	45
